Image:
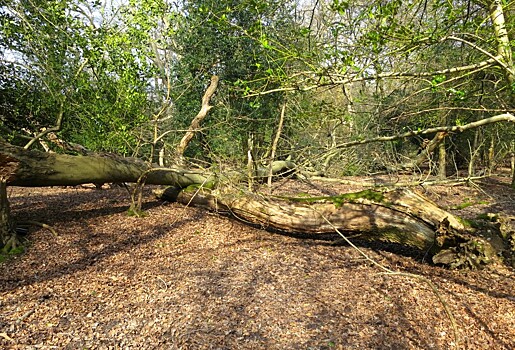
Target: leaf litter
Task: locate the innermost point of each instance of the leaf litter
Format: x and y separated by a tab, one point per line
185	278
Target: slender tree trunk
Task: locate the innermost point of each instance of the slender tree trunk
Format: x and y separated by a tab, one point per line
195	123
513	164
274	146
491	155
503	41
473	152
442	161
251	162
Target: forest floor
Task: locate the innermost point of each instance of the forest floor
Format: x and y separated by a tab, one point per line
185	278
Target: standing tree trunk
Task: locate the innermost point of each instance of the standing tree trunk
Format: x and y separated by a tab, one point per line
274	147
503	40
512	164
8	238
442	160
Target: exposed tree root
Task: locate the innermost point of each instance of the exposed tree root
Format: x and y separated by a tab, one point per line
40	224
11	243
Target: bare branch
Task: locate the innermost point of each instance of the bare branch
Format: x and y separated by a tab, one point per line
506	117
55	128
336	79
200	116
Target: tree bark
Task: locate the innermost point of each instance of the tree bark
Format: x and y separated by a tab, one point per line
7	236
503	40
34	168
399	216
442	161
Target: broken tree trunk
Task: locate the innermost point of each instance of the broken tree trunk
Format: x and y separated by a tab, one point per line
398	215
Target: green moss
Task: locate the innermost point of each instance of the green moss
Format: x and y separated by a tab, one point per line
467	204
466	222
303	195
136	213
6	255
462	205
194	187
487	217
339	200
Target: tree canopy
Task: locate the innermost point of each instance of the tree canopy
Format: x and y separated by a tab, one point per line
126	77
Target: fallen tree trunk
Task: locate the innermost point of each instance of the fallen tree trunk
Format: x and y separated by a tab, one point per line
34	168
400	215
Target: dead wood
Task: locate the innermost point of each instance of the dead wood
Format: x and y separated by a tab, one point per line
195	123
397	215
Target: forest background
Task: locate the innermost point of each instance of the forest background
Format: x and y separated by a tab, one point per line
127	76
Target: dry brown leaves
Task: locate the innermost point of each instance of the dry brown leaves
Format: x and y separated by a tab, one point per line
184	278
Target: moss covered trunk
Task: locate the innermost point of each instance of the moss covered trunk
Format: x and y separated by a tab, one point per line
400	216
34	168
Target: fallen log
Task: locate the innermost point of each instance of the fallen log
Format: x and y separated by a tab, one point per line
30	168
398	215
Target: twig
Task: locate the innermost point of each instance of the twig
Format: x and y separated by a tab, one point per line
40	224
166	285
25	315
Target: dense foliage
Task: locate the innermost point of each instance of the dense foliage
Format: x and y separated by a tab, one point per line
128	76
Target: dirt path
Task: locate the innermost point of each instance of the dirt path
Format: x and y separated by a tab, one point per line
183	278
